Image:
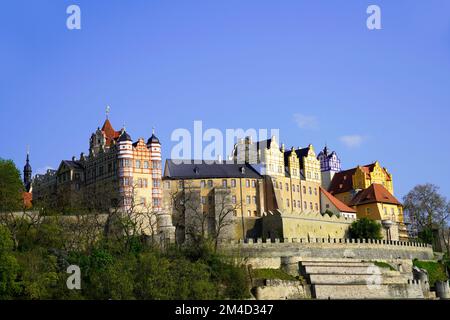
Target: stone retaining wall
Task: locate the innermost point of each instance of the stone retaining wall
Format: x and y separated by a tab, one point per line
270	254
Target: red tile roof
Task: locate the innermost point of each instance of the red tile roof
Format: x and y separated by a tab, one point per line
109	132
343	182
27	199
342	207
375	193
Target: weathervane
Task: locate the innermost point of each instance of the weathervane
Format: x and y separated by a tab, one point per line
108	110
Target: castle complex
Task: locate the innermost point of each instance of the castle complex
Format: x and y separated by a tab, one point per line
279	193
117	174
264	190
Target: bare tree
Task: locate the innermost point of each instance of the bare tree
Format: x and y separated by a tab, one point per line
200	224
427	209
225	210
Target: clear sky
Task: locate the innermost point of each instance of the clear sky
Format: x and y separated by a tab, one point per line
310	68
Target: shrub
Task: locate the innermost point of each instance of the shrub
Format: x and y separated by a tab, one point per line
365	228
436	270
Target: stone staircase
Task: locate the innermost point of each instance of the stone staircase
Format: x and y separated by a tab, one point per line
357	279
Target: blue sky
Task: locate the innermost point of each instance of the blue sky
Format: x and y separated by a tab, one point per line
310	68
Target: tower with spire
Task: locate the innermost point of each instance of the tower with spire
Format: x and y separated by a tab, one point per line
27	173
330	164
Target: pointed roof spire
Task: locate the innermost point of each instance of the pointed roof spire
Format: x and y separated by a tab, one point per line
107	111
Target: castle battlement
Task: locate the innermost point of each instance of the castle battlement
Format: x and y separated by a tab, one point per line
254	242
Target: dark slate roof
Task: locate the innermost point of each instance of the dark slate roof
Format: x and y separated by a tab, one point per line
190	170
153	139
124	137
73	164
264	143
300	154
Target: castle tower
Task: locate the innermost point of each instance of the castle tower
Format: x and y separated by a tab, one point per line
27	171
329	165
154	146
125	156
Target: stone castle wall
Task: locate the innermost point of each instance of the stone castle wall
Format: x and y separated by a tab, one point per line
271	254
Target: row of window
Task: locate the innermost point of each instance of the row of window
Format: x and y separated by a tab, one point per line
248	200
156	202
297	204
309	175
139	164
279	185
141	182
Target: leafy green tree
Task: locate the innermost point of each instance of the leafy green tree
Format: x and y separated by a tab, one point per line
39	274
365	228
11	187
9	267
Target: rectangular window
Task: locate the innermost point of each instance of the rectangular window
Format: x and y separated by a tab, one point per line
304	189
248	199
156	202
317	207
167	184
310	191
247	183
202	183
254	199
253	183
145	164
310	206
287	186
233	199
138	164
224	183
233	183
315	191
210	183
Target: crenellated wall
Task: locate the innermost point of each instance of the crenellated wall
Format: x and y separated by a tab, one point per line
261	254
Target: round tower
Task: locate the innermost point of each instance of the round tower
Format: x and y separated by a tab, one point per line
125	156
154	147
